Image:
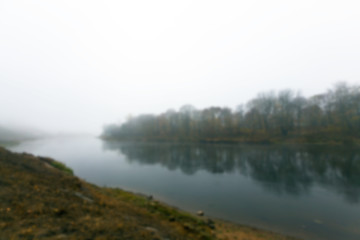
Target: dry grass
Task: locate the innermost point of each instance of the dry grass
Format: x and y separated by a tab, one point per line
229	231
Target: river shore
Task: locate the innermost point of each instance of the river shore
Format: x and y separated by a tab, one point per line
40	198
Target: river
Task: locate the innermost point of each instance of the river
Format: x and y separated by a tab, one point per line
312	192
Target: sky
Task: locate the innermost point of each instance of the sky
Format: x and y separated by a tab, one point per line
73	66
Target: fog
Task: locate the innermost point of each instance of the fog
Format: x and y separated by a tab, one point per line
73	66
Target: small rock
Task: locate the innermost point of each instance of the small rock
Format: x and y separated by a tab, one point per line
150	197
200	213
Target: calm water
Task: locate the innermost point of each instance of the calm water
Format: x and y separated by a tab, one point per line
310	192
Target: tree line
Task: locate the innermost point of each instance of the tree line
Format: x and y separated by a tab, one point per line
331	116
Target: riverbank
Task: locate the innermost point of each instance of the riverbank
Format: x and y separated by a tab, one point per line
41	199
257	140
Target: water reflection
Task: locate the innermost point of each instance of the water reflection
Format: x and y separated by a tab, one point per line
280	170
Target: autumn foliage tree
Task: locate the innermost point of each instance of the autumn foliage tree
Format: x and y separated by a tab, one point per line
268	116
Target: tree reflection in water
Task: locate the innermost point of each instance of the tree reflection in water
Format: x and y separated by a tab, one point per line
281	170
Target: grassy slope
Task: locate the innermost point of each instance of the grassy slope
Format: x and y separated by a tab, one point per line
41	199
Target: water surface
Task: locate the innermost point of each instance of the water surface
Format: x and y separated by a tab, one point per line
310	192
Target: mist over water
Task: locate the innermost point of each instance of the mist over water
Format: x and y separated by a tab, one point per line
74	66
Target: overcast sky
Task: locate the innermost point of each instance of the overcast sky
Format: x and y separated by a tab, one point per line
76	65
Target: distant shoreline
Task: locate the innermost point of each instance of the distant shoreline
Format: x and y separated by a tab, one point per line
341	141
